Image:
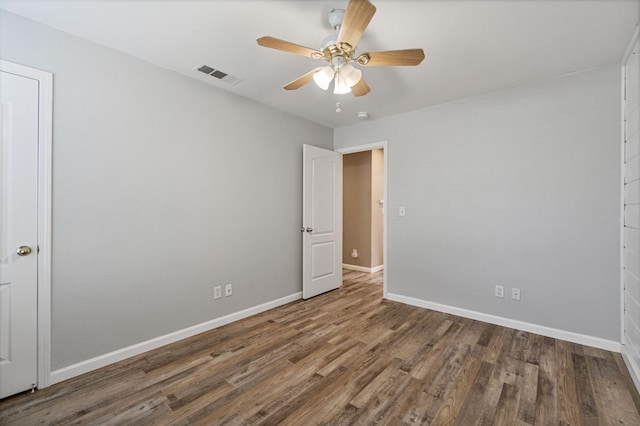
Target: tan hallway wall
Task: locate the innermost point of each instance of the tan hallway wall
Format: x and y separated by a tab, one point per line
377	190
362	212
357	208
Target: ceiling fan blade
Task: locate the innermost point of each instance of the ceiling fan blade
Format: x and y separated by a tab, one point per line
301	81
285	46
391	58
355	21
361	88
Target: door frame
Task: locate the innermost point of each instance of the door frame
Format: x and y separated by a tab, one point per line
369	147
45	131
634	369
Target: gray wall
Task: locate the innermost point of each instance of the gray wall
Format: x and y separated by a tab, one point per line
162	188
519	187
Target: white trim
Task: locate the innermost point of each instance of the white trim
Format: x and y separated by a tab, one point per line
83	367
632	367
362	268
570	336
361	148
623	166
368	147
623	105
45	131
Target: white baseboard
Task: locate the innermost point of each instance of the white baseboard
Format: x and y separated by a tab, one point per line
570	336
363	268
634	369
83	367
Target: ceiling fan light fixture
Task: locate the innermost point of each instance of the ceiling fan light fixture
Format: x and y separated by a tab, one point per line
351	74
340	86
323	77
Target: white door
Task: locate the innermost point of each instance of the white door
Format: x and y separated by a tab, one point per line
321	221
18	228
631	246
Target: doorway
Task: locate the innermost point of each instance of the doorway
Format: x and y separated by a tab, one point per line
364	208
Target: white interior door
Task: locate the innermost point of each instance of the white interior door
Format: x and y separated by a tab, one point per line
322	221
631	242
19	227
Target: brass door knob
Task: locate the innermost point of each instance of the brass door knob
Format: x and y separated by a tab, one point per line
23	251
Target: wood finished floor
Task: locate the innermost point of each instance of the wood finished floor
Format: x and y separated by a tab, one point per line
347	357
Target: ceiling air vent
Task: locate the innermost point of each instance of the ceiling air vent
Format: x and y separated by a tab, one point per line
220	75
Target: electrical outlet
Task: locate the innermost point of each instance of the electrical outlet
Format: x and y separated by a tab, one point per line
515	294
500	291
217	292
228	290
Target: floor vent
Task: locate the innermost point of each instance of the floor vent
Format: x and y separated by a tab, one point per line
220	75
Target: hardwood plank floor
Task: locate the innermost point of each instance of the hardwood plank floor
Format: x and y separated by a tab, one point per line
347	357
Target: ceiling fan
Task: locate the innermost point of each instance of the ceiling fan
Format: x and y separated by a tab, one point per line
340	51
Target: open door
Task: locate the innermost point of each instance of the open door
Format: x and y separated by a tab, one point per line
321	221
19	99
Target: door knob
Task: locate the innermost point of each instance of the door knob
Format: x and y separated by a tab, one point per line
23	251
309	229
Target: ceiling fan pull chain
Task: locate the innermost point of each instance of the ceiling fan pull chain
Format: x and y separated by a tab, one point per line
336	82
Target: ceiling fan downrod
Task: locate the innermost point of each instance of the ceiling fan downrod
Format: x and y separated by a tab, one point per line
335	17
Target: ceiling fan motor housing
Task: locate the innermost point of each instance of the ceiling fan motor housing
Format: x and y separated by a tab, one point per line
338	61
338	54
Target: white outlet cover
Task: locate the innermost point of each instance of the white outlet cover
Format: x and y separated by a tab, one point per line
515	294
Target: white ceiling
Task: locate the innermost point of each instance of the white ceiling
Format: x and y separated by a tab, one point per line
471	47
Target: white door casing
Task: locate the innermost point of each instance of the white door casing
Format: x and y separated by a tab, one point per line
321	221
25	220
630	232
